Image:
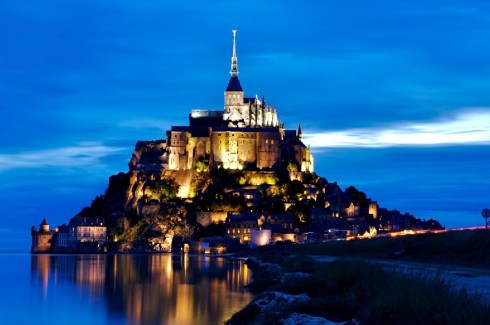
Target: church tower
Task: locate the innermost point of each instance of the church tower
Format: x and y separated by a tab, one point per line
234	107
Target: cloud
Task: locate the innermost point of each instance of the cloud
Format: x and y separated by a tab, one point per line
84	154
465	128
142	123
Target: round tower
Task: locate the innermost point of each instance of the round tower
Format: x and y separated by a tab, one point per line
44	226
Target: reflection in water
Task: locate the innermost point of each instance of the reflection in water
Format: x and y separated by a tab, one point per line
150	289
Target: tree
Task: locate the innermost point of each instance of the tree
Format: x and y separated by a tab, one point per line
163	188
292	167
296	190
301	211
357	197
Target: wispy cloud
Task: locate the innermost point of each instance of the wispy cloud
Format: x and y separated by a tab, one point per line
140	123
465	128
84	154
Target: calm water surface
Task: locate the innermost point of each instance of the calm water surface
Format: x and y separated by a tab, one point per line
120	289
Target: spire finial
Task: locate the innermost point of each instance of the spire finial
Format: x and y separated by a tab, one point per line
234	59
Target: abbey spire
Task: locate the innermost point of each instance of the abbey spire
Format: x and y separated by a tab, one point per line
234	83
234	59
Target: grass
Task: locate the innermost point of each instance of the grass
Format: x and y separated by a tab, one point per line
467	248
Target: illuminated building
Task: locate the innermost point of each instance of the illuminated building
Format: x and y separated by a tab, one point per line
89	229
42	240
275	226
241	225
246	134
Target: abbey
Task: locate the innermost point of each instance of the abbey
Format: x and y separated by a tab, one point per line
238	166
246	134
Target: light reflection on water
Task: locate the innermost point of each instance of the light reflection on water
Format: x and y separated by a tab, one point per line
139	289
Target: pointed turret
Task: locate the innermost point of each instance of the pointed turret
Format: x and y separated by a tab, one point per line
234	83
44	226
299	133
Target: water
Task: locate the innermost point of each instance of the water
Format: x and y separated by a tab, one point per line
120	289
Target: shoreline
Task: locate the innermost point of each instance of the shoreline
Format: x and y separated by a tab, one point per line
297	288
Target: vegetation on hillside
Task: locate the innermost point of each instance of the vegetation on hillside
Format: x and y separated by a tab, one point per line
155	232
135	204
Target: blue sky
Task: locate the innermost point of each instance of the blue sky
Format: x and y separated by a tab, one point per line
392	96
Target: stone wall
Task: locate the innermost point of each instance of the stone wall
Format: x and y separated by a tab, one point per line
205	218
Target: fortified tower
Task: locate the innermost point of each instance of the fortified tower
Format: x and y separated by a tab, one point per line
42	240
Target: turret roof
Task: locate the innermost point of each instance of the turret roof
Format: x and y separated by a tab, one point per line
234	84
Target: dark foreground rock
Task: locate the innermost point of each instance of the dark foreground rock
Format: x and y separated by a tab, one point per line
275	307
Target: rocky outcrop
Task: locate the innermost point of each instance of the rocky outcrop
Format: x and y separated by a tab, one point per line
265	274
271	306
305	319
269	301
294	276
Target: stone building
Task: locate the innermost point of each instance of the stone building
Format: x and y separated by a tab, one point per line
245	134
88	230
280	226
240	225
42	239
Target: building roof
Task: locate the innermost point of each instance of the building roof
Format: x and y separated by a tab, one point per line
87	221
270	129
183	128
234	84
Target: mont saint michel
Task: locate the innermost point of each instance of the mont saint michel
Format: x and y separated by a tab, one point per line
324	163
230	179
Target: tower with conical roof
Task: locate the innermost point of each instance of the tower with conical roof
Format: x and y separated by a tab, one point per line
234	113
42	240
